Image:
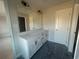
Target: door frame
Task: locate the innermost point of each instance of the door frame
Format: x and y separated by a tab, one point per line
7	7
73	27
76	35
77	16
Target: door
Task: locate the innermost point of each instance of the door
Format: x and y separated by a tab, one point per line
6	44
62	28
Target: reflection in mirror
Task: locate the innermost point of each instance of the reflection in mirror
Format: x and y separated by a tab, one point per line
33	18
29	21
21	21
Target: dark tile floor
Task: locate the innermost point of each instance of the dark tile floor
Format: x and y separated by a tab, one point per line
52	50
20	57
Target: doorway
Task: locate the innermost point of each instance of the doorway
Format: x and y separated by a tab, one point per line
76	34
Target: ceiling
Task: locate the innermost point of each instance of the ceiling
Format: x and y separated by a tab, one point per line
37	5
42	4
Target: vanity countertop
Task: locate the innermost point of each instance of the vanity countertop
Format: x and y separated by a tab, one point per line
32	34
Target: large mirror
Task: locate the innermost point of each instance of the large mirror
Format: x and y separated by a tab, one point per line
28	19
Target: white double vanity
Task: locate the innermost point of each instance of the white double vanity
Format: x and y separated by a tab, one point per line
31	42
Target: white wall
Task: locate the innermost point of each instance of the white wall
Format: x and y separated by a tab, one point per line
49	17
49	22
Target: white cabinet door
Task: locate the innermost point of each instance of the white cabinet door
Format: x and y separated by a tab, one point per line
62	28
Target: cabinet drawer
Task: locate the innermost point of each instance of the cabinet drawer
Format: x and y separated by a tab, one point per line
32	48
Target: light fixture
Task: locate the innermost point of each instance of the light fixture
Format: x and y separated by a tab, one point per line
24	3
39	11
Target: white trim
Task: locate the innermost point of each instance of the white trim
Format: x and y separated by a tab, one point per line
76	47
73	27
77	5
10	28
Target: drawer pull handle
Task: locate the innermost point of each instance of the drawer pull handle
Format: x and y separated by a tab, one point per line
35	42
